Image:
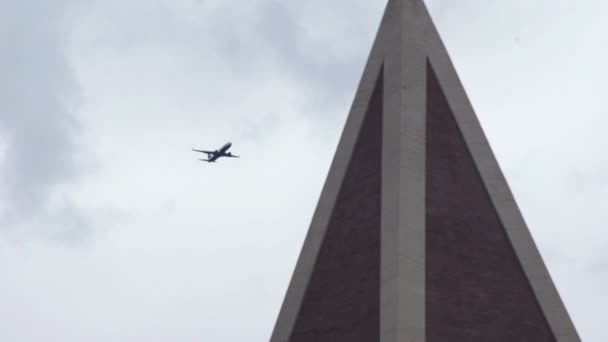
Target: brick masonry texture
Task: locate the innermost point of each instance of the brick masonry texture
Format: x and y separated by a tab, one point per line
476	289
342	301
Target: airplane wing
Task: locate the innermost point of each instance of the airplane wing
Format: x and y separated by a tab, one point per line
208	152
231	156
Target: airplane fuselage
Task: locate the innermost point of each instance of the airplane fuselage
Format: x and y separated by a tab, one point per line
212	156
222	151
225	148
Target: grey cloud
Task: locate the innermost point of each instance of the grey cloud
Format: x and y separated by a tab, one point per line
595	180
79	227
258	128
600	263
38	99
216	50
258	41
330	78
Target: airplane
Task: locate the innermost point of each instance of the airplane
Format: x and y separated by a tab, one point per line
212	156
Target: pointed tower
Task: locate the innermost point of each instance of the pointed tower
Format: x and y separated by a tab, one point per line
416	236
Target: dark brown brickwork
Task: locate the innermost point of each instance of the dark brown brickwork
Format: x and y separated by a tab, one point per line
342	301
476	287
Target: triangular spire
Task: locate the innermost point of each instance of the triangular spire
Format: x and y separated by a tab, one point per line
416	236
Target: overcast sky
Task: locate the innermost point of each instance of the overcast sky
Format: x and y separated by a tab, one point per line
111	230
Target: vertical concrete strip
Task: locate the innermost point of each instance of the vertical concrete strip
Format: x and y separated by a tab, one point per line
389	222
411	172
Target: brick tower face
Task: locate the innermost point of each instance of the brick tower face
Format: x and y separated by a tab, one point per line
476	289
342	300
